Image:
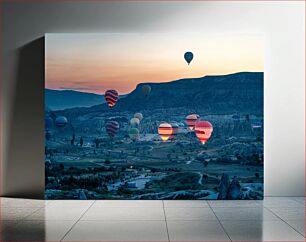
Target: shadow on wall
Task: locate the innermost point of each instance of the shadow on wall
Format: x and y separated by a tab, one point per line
25	155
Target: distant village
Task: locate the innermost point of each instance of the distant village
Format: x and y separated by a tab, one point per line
84	162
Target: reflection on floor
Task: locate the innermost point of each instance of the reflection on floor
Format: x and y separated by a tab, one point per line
274	219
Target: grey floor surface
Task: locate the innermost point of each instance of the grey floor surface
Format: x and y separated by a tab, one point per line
274	219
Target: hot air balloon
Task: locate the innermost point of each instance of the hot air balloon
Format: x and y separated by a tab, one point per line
188	56
134	122
61	121
146	89
112	128
111	97
191	120
139	116
165	131
203	130
134	133
175	129
48	123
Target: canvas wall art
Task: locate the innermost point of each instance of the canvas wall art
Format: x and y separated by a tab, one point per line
154	116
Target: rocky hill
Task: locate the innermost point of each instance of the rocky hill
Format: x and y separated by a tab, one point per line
225	94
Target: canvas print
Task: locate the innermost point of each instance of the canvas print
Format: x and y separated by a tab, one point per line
154	116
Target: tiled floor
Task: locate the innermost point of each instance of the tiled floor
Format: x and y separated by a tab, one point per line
274	219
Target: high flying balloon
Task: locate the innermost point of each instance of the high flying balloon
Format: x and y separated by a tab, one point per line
191	120
111	97
188	56
112	128
203	130
165	131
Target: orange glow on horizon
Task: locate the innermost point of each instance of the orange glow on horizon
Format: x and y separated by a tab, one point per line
98	62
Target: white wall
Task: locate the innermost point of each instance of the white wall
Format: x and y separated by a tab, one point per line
282	23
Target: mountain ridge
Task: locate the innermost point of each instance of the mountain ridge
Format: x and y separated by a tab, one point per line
230	93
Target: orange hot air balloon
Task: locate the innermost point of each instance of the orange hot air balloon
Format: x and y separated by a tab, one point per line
203	130
191	120
111	97
165	131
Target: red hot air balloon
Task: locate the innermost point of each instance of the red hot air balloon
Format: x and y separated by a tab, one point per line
165	131
112	128
191	120
203	130
111	97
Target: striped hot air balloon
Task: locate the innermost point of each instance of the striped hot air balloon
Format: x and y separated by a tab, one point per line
111	97
165	131
112	128
203	130
191	120
175	129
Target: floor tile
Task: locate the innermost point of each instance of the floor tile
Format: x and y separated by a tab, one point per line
123	213
185	204
280	202
300	200
39	230
261	231
234	203
196	231
16	213
118	231
57	213
69	203
298	225
189	214
290	213
128	203
256	213
21	203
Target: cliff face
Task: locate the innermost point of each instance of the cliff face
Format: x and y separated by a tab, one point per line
227	94
240	92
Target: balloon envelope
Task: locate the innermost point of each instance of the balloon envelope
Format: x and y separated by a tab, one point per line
139	116
134	133
191	120
111	97
188	56
165	131
112	128
134	122
61	121
146	89
203	130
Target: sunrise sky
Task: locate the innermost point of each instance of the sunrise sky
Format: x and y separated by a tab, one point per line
97	62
